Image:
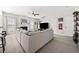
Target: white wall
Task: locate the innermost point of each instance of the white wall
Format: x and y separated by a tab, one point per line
51	15
0	24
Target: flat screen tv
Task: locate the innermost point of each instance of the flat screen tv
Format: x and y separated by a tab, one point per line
25	28
44	25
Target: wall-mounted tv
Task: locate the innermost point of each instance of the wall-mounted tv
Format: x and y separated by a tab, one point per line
23	27
44	25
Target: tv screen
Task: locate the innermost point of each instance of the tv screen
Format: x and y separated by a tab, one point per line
25	28
44	25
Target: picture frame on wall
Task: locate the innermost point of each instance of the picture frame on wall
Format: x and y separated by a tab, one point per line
60	19
60	23
60	27
23	21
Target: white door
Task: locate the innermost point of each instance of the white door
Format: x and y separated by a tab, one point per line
68	27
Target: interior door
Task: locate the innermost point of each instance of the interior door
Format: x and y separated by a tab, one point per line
68	27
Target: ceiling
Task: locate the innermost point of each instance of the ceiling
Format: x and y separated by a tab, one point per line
49	11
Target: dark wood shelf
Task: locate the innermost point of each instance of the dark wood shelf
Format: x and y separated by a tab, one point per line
76	24
76	30
76	20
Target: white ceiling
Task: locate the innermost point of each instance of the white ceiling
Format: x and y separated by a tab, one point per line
50	11
56	11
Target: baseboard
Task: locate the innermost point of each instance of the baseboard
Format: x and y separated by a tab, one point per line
62	35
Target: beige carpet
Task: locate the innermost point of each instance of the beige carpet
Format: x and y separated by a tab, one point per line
12	45
60	45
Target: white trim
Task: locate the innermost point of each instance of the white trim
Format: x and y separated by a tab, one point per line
63	35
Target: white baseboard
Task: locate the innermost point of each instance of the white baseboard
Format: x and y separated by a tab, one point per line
63	35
